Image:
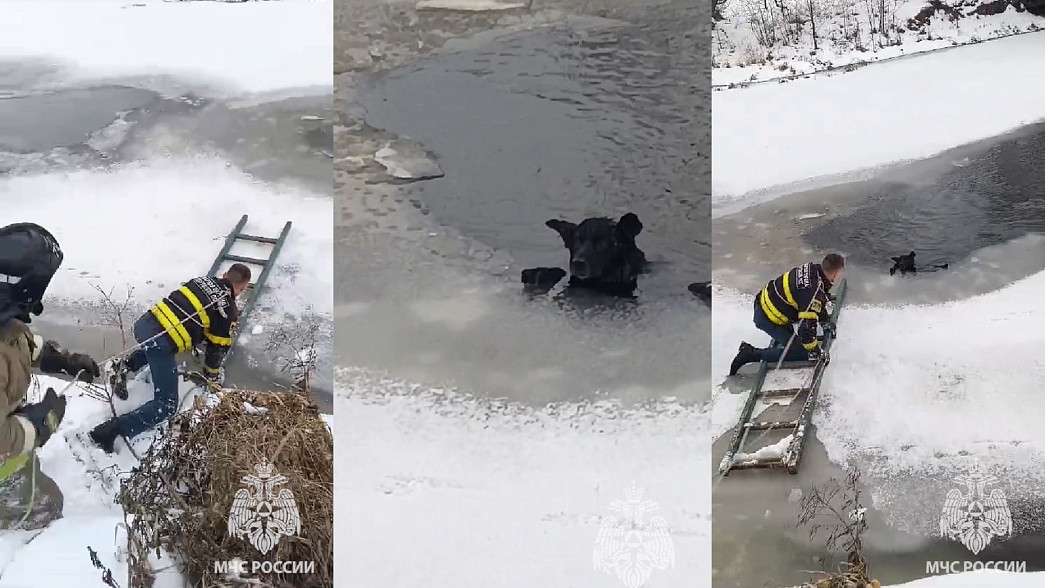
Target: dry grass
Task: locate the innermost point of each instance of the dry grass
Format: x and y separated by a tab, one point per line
836	512
178	499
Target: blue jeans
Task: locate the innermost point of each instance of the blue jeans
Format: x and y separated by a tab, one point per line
159	354
781	334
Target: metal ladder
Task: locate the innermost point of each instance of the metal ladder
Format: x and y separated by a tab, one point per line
249	297
794	382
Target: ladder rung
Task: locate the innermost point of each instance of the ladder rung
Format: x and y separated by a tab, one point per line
758	463
253	260
793	392
246	237
764	425
797	365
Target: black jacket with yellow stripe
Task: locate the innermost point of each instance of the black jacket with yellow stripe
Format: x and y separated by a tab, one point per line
203	309
798	296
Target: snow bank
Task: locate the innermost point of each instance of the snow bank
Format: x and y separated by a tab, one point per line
739	58
980	579
772	135
230	47
443	490
154	224
936	381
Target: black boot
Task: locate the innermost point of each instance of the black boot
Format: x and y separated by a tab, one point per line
745	355
105	435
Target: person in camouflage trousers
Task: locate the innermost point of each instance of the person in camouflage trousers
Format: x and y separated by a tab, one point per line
29	258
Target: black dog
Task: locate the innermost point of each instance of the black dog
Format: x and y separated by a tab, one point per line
702	290
905	265
603	256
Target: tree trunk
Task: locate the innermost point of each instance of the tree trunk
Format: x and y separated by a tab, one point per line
812	23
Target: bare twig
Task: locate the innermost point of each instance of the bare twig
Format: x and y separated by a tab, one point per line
183	488
836	511
294	345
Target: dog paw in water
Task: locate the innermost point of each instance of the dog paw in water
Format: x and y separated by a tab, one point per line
702	290
539	280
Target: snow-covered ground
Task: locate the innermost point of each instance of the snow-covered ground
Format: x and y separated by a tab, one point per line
226	48
440	489
844	37
775	138
57	555
980	579
89	479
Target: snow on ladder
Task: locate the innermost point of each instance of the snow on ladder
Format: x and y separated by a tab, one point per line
249	296
778	391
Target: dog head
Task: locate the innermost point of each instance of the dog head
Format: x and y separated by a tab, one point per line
903	264
601	249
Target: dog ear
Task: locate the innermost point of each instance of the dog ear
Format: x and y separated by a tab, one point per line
629	225
565	230
912	255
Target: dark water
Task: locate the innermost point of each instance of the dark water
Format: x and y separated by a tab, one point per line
984	200
63	119
531	116
757	541
979	209
564	122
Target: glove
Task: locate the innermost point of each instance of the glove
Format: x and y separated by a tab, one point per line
815	353
830	329
45	415
55	360
807	331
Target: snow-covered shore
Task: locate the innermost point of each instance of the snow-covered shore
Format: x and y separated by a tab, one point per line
442	489
845	36
775	138
980	579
